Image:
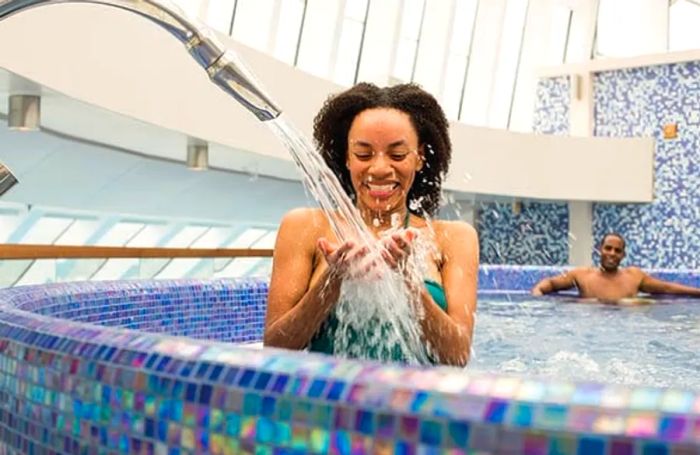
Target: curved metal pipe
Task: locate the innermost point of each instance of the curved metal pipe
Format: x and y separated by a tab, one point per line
223	66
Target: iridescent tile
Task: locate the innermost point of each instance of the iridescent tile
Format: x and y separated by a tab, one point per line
505	387
202	438
559	392
401	399
216	444
262	381
521	415
677	401
621	447
189	415
587	394
280	382
340	443
483	437
364	422
316	388
673	428
265	430
319	441
301	412
343	419
610	422
655	448
582	419
480	385
300	438
431	432
187	439
386	425
457	434
551	417
408	428
232	424
645	399
642	424
592	446
404	448
203	414
174	435
267	406
248	426
496	411
284	410
322	416
283	434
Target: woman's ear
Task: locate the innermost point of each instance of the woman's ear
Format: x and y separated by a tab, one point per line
421	158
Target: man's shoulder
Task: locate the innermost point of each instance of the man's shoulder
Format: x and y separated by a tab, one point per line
582	271
636	271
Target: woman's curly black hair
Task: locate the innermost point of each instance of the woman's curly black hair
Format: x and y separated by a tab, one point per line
332	125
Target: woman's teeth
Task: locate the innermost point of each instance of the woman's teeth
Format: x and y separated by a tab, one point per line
381	187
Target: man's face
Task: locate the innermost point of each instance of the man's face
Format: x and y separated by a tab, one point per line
611	253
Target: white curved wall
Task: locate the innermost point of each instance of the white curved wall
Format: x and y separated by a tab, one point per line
121	62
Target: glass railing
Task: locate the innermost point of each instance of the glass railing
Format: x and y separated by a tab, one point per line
38	264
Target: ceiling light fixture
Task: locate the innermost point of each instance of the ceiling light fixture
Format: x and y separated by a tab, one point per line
24	112
198	156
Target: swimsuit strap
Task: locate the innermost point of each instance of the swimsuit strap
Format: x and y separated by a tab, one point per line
406	219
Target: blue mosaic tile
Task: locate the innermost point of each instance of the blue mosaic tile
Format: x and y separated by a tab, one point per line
638	102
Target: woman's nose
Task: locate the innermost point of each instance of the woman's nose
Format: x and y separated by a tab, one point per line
381	165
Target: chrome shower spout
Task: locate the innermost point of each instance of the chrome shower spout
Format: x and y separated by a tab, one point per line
223	66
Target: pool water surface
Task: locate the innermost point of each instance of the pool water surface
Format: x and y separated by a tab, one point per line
652	344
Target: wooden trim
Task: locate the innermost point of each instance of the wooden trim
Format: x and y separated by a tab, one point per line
14	251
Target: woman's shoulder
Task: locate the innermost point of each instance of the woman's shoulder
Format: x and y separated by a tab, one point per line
304	215
452	230
305	220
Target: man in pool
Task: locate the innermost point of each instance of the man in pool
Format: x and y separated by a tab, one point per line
610	282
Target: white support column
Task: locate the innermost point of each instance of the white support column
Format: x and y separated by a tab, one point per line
581	123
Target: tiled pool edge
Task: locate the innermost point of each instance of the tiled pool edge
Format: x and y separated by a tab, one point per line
75	387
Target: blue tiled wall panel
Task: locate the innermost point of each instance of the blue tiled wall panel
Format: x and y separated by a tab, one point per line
638	102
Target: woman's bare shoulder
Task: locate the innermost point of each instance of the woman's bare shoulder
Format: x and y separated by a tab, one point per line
303	215
454	230
300	228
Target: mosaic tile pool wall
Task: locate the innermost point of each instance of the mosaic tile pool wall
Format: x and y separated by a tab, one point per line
95	368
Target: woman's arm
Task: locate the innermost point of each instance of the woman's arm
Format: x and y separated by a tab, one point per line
296	307
295	311
450	333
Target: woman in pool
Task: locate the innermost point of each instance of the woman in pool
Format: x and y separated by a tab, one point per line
390	149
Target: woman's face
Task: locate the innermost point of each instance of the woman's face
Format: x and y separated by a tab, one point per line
383	158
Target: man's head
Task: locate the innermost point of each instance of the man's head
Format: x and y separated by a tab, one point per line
612	251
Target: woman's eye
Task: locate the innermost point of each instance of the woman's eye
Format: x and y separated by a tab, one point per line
398	156
363	156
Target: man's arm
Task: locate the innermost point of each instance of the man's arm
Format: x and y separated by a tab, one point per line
555	283
653	285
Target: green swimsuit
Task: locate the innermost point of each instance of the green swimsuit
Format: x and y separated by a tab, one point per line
324	340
